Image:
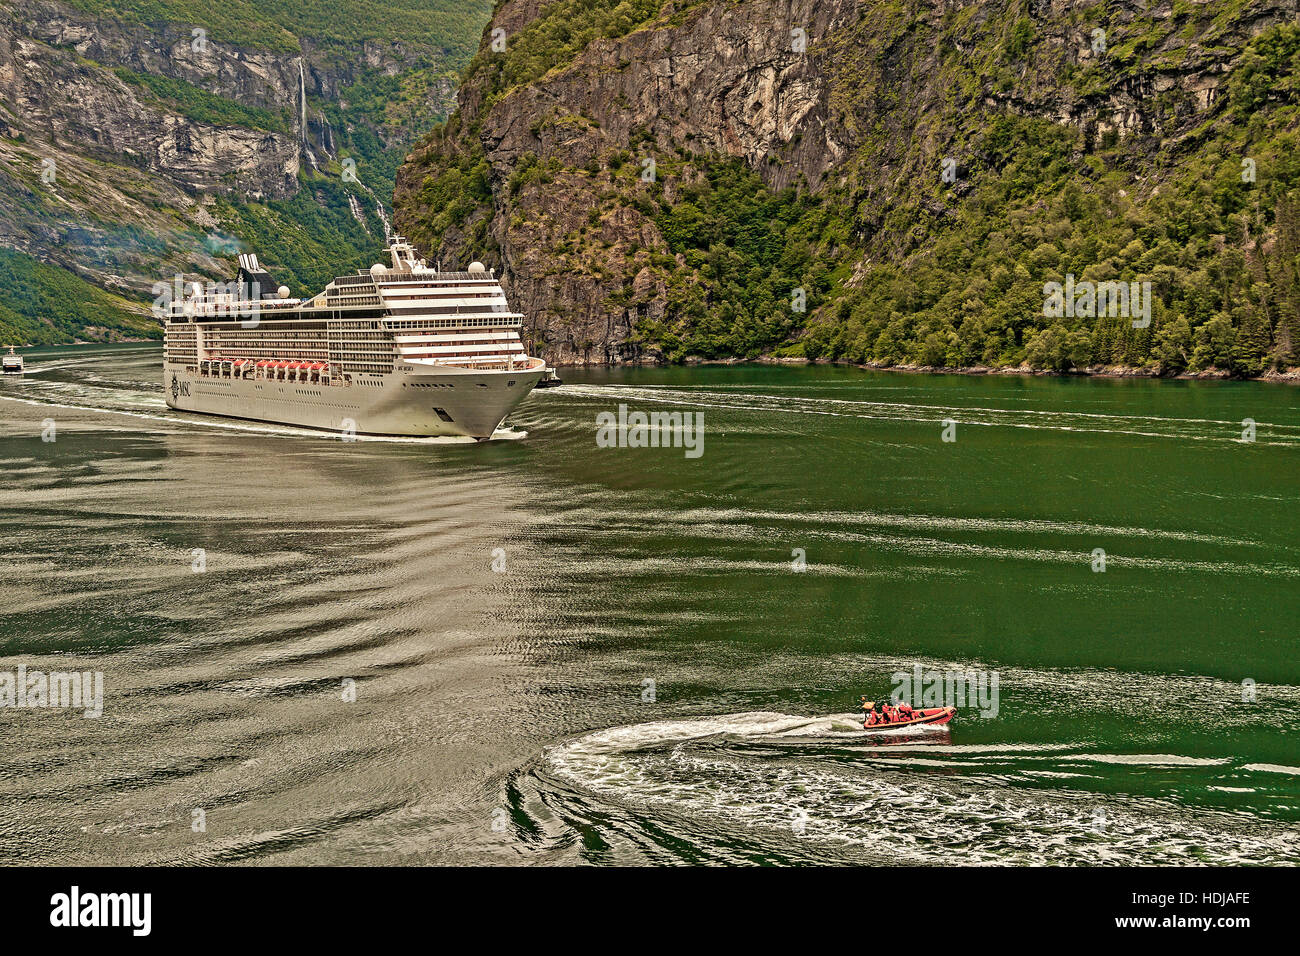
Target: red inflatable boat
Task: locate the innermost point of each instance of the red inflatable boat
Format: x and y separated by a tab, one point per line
934	715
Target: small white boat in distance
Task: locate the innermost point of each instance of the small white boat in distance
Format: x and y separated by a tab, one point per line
11	364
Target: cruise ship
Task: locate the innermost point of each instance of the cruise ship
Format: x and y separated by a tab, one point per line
405	349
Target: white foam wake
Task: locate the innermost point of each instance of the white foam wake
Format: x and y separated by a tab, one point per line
793	783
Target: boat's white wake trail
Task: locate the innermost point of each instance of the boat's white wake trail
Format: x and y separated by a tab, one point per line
787	782
1141	426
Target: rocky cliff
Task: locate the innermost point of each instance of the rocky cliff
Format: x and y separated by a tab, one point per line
131	151
888	181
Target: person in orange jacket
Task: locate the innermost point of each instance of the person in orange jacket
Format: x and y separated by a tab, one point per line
869	716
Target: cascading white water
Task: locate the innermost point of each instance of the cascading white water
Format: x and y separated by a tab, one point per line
302	113
302	100
355	208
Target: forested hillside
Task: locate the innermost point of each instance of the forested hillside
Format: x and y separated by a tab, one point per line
895	182
65	304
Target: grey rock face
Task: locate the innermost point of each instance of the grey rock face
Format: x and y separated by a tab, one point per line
56	81
132	178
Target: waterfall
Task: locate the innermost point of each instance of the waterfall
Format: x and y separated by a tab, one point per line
380	211
355	206
302	100
302	113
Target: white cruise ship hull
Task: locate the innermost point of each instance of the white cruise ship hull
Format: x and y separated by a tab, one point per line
409	401
406	350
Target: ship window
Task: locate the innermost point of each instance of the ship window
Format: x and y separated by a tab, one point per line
442	413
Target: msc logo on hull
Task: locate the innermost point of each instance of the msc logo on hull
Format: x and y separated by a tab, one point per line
179	388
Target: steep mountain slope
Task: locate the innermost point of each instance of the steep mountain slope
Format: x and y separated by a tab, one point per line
144	138
884	181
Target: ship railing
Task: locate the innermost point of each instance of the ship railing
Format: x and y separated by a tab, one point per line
432	275
343	302
227	307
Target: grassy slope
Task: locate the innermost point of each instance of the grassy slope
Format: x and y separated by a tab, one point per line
42	304
196	103
449	26
310	238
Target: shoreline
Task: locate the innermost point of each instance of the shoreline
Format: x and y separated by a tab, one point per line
60	345
1289	376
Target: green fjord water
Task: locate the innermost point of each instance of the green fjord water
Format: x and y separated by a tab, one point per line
508	716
